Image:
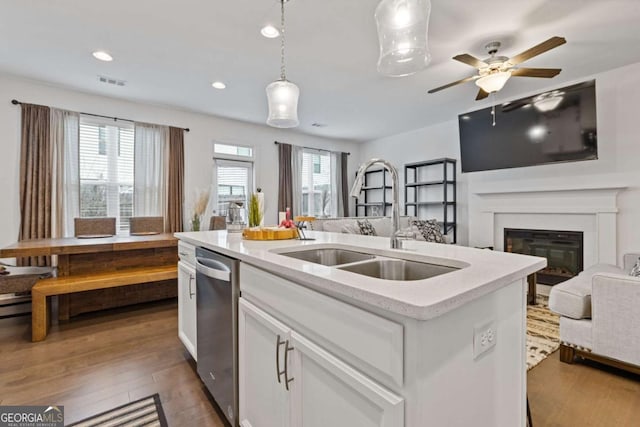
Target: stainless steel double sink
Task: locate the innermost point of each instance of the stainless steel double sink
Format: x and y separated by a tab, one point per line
369	264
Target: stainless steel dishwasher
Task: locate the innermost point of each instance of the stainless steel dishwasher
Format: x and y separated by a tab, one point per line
217	292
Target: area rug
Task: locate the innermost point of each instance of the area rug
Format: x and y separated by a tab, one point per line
144	412
543	332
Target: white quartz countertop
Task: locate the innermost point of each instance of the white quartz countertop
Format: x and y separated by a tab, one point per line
480	271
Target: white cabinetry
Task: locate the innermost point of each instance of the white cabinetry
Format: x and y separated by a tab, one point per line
287	380
264	401
187	298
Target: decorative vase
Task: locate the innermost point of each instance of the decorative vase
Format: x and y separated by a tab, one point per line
195	223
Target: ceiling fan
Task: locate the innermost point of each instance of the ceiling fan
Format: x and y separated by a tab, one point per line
494	71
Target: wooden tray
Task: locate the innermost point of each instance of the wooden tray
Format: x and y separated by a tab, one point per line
270	234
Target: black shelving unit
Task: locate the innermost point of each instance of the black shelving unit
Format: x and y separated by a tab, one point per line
426	207
374	194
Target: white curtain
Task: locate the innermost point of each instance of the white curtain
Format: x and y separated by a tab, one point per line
65	131
337	206
150	161
296	169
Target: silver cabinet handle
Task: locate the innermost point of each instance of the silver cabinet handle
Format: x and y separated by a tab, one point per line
191	294
184	254
287	380
278	344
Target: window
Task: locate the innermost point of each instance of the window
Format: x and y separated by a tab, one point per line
233	183
106	171
317	191
233	150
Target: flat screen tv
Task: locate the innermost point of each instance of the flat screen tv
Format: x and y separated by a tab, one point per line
554	126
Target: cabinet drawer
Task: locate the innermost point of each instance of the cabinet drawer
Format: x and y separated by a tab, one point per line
356	335
187	253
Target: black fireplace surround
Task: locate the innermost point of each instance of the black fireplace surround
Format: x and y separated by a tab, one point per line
562	249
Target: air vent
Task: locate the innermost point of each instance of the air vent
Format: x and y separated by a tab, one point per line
111	81
319	125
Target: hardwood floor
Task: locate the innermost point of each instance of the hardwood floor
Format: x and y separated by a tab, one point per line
103	360
582	394
99	361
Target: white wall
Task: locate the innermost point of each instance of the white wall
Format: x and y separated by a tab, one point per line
617	94
198	142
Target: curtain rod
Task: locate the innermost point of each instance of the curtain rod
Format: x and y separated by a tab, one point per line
115	119
311	148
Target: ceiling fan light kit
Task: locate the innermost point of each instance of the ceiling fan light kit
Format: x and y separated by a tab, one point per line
495	71
402	33
282	95
493	82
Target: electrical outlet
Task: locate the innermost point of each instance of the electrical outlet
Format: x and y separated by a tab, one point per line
484	338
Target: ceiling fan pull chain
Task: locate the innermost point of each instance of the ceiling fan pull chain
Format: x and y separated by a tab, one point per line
493	108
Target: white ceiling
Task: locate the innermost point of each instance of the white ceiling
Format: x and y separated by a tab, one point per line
169	52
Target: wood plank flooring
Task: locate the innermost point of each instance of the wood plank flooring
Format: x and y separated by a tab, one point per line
102	360
584	394
99	361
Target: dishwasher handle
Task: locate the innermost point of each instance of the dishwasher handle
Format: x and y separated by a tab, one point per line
214	269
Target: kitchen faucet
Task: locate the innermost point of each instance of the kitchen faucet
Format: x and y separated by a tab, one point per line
395	209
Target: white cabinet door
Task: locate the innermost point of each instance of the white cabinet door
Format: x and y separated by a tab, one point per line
187	307
328	392
263	399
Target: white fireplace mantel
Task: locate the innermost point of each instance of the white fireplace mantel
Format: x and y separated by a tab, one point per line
586	207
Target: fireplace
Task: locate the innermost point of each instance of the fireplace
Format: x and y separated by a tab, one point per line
562	249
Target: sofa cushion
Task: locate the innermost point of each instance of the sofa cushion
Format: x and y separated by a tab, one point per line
335	226
572	298
351	229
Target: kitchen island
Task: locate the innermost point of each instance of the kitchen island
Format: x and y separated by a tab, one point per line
430	335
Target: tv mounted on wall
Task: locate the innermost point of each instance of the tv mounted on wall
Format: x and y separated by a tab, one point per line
554	126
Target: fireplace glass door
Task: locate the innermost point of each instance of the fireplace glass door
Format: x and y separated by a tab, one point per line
562	249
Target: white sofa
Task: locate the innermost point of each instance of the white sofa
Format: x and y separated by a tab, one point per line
381	224
600	315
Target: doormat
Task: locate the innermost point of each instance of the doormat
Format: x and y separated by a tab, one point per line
144	412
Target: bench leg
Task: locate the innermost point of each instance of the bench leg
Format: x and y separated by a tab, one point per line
39	316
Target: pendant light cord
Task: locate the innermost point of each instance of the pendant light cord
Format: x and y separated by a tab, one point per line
283	75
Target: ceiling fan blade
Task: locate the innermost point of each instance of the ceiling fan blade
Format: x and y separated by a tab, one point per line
468	79
543	47
481	95
470	60
536	72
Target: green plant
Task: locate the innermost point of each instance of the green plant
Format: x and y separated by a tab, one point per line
255	216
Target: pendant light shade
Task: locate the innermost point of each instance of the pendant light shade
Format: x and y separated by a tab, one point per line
493	82
402	33
283	104
282	95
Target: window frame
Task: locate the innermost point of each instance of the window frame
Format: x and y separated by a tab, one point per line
315	153
99	123
226	162
223	156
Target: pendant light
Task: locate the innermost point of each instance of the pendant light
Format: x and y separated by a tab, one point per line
402	33
282	95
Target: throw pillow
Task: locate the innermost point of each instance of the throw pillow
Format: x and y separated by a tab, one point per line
366	229
635	271
429	229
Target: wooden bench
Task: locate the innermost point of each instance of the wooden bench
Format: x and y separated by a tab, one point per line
87	282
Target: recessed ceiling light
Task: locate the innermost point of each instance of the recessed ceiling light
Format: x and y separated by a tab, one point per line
270	32
218	85
102	56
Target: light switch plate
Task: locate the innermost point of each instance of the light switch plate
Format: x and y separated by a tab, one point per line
485	337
